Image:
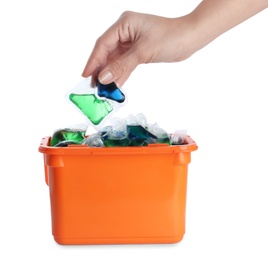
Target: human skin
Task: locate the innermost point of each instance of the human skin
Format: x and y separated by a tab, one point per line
138	38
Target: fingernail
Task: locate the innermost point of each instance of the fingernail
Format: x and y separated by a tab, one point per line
106	77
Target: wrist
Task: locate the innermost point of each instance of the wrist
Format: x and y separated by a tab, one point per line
190	36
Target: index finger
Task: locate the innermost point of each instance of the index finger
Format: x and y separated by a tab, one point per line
104	45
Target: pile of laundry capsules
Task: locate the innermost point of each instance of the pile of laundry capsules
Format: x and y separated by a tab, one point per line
98	104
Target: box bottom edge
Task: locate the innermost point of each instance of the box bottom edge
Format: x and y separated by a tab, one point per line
103	241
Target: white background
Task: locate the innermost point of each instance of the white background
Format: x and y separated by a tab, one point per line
219	95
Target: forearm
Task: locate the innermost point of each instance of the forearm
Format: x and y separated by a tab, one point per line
211	18
137	38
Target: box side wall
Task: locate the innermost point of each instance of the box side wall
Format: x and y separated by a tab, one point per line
118	198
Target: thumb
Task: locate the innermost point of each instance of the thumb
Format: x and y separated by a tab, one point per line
119	70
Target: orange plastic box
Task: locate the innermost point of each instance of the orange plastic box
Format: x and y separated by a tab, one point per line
117	195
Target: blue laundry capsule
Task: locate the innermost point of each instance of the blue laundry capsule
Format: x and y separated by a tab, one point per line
110	91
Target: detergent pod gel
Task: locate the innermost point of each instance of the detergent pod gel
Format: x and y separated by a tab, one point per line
110	91
97	103
62	137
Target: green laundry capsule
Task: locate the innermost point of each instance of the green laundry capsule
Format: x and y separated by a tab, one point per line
116	142
163	139
66	134
92	107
